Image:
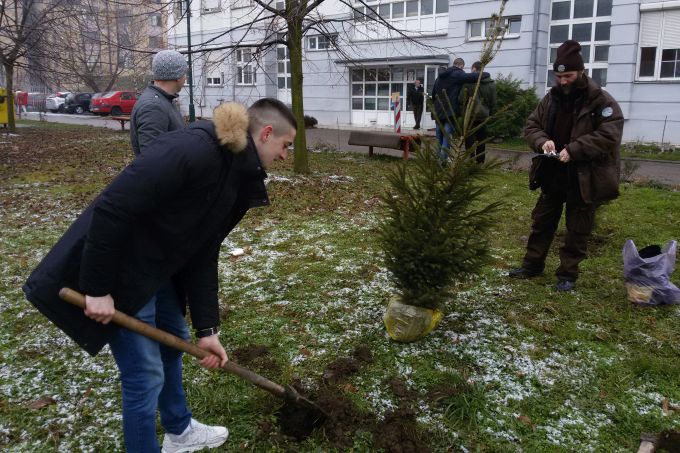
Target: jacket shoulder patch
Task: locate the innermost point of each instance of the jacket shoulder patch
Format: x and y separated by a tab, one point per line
607	112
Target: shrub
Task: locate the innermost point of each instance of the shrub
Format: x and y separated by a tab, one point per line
515	104
310	122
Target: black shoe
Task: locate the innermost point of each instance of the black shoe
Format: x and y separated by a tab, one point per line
565	285
523	273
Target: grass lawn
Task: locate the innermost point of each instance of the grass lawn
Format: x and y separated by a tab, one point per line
514	366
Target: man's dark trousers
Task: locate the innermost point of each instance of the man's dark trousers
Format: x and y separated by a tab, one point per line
580	219
418	113
478	136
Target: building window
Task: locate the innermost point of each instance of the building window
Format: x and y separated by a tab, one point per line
399	9
372	88
246	73
321	42
210	6
480	29
283	67
659	54
585	21
155	20
213	75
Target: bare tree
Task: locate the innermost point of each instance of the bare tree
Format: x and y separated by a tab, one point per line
282	25
23	24
103	42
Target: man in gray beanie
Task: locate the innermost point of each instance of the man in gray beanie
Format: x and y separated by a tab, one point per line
154	112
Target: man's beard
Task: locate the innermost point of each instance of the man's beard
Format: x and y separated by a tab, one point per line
580	82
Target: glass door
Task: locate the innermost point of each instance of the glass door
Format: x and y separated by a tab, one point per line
431	74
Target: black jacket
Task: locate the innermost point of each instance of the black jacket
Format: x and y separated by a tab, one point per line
447	89
163	217
417	95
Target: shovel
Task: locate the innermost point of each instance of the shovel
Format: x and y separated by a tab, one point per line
288	393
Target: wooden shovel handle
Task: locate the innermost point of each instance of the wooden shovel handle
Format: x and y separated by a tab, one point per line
74	297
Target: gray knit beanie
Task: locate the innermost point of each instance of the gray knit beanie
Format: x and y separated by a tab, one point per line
168	65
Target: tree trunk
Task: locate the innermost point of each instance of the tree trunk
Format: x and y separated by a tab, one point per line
9	77
300	159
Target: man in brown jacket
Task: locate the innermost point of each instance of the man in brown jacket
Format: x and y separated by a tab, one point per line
576	130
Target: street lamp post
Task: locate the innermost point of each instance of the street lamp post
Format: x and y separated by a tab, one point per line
190	77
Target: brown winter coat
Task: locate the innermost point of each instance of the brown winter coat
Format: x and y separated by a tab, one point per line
594	143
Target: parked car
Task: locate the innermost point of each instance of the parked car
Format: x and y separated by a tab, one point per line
114	102
78	102
55	102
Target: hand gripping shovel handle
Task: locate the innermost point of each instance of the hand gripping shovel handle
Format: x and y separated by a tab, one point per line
135	325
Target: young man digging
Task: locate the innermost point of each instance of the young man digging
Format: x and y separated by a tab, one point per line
160	223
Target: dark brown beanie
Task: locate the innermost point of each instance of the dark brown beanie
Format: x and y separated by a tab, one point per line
568	57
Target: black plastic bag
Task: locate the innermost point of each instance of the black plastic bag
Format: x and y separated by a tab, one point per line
647	274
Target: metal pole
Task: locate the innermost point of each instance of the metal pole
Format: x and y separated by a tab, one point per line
190	77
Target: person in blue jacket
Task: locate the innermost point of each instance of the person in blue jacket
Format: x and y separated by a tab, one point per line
160	223
445	95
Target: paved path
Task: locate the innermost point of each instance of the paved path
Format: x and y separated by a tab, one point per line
665	172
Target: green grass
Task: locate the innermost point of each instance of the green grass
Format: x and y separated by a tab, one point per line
526	368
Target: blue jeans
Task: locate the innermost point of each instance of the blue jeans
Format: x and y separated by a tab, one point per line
443	139
151	375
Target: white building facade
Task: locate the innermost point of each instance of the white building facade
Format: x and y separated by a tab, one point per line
352	64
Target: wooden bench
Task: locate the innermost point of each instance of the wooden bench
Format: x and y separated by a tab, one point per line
122	119
383	140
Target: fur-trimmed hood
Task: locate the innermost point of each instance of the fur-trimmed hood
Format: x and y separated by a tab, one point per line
231	126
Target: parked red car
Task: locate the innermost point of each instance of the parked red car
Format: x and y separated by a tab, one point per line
114	102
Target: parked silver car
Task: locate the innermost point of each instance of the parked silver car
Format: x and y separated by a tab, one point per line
55	102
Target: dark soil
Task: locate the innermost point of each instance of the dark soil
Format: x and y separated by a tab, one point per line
256	358
338	371
363	354
399	389
397	433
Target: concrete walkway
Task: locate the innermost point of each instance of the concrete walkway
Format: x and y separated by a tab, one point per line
664	172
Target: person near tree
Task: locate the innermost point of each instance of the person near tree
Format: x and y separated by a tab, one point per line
577	129
21	101
483	105
417	96
155	111
161	223
445	99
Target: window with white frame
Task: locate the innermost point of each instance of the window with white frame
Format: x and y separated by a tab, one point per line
321	42
480	29
371	9
659	54
246	73
210	6
213	76
283	71
589	23
372	87
241	4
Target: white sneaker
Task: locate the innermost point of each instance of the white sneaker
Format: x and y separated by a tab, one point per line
196	436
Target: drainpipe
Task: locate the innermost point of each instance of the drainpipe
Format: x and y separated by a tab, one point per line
534	43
